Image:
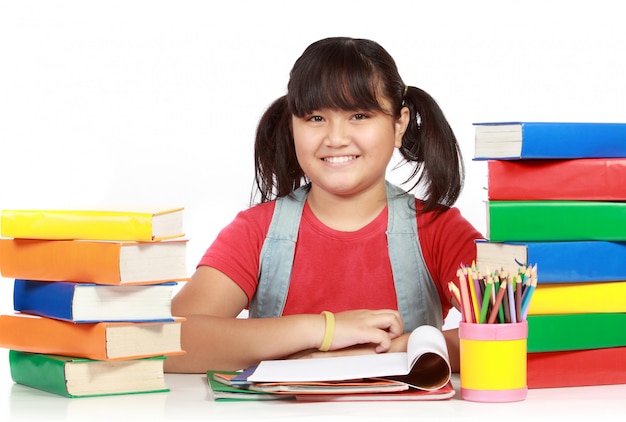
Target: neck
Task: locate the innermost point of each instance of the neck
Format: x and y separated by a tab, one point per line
347	212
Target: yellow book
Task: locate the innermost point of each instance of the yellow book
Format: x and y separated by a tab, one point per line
578	298
140	225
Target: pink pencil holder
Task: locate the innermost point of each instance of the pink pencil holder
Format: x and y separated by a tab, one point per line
493	361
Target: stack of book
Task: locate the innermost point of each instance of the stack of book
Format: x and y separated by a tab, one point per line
557	197
92	295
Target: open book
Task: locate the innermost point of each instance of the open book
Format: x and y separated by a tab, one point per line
424	366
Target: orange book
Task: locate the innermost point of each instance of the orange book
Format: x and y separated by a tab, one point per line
98	341
98	262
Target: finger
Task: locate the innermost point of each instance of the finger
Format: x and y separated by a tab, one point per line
384	345
390	321
380	338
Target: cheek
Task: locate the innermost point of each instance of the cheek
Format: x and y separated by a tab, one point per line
304	153
304	143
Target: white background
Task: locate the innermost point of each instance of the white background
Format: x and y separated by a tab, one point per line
121	103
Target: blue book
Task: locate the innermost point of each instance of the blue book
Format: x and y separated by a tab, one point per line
549	140
83	302
557	262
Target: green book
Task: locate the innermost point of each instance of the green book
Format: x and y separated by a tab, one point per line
224	391
556	220
561	332
77	377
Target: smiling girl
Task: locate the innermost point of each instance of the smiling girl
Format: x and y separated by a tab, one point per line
334	259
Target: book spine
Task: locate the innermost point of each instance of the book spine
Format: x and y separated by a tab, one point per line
38	371
573	140
582	179
549	333
579	298
46	335
53	300
544	220
61	260
595	261
577	368
87	225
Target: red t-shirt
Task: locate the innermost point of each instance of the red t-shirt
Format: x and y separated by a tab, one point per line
335	270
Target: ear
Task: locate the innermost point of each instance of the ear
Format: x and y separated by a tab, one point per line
400	125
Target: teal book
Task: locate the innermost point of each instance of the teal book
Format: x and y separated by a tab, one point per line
550	333
520	221
77	377
549	140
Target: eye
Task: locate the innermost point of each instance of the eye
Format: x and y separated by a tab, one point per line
359	116
315	118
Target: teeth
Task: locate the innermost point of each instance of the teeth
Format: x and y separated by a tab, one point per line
342	159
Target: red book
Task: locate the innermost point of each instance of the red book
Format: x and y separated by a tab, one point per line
575	368
598	179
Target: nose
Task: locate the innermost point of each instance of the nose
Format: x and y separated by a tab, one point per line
337	134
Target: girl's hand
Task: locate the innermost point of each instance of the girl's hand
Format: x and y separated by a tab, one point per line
363	331
364	326
398	344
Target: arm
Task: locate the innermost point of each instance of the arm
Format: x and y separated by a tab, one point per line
452	341
398	344
448	242
214	338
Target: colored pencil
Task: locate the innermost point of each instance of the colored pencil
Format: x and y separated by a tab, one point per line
455	299
500	307
527	296
505	305
511	297
518	298
486	299
473	295
505	298
465	297
496	307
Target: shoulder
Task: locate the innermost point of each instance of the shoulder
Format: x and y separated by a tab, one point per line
258	213
446	238
445	235
448	217
251	224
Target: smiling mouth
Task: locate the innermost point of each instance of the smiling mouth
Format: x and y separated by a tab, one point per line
339	160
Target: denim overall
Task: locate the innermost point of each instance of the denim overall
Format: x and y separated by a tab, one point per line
418	300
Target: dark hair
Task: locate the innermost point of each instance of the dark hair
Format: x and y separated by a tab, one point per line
354	74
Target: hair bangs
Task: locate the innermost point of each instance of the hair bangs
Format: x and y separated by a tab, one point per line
337	78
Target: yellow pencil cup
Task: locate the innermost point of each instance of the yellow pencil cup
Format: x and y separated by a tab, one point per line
493	361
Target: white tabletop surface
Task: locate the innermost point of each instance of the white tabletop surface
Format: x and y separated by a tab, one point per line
189	399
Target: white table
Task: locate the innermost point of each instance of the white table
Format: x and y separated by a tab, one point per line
189	399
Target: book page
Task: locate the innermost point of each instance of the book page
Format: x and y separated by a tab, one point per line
427	351
428	360
331	369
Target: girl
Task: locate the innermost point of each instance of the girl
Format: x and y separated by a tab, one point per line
334	259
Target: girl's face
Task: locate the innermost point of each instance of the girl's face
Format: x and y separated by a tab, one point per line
347	152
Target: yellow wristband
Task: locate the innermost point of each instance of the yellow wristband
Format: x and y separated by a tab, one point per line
329	332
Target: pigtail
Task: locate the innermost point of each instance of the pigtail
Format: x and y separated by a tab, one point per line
430	143
277	172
